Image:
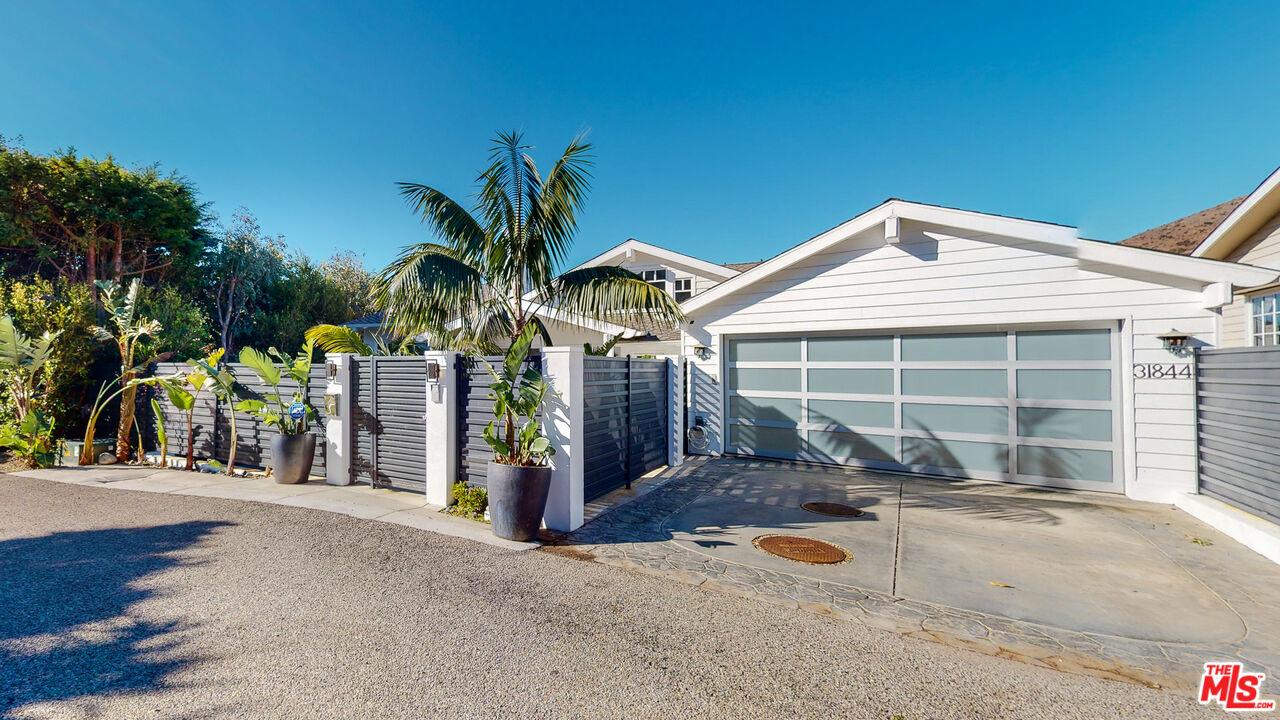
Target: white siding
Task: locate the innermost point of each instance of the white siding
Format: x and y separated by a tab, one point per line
642	262
942	282
1263	248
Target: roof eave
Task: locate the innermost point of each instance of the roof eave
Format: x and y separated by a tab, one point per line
1234	228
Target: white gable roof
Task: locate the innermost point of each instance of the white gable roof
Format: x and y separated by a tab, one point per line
629	248
889	213
1260	206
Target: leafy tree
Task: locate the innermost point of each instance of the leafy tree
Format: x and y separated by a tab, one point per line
85	219
241	267
346	272
498	264
300	297
188	332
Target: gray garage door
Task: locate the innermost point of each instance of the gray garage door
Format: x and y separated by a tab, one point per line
1027	406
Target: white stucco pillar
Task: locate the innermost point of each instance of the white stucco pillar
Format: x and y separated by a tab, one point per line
675	411
441	450
337	424
562	419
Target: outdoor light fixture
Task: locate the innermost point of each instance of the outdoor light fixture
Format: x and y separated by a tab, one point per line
330	369
702	351
1174	341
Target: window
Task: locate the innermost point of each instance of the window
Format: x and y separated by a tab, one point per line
1266	320
683	289
656	278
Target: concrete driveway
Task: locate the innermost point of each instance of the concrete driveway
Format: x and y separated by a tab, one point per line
1079	581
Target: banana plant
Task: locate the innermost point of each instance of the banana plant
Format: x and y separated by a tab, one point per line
126	329
161	436
30	440
517	396
223	385
273	408
184	391
105	397
21	362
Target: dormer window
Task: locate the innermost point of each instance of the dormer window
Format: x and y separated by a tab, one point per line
682	289
656	278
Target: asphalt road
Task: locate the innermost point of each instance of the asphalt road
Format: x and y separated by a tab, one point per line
116	604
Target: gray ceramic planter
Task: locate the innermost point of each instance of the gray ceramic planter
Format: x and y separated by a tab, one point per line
291	457
517	499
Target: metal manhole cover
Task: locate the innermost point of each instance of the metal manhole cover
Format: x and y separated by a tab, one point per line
802	549
833	509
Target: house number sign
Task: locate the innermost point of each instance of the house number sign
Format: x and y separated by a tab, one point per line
1162	371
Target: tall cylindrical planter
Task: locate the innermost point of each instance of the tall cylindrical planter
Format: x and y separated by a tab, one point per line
291	457
517	499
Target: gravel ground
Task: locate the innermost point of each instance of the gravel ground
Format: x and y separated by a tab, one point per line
118	604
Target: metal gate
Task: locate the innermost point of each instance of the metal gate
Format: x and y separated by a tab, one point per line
1238	427
625	421
388	421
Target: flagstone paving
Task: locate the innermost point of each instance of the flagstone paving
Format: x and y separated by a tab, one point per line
1080	582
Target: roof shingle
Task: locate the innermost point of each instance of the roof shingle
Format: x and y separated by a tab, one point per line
1184	235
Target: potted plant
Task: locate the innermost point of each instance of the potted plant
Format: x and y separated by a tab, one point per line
292	448
518	476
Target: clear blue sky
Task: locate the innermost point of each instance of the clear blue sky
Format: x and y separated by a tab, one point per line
729	131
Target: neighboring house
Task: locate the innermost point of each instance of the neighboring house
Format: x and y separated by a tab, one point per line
948	342
368	327
1244	230
683	276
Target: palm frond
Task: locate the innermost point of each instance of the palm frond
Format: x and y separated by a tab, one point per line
616	295
447	219
553	215
427	285
337	339
15	348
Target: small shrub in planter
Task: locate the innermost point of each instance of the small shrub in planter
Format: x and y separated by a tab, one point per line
293	449
518	476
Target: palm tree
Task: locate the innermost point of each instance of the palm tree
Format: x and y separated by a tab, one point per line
499	266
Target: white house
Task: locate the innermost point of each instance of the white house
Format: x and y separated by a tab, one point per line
949	342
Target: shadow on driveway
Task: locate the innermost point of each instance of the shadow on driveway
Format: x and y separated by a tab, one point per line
66	630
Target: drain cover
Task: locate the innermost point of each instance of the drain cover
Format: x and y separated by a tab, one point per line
833	509
802	549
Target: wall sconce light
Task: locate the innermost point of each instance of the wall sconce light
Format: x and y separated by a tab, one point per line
702	352
330	369
1175	342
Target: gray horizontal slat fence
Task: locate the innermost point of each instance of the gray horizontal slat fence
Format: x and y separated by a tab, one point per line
1238	427
625	421
212	423
475	411
388	421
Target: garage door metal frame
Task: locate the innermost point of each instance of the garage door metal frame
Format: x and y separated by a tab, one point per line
1012	440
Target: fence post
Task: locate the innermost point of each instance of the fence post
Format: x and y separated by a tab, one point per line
441	418
562	419
338	393
675	411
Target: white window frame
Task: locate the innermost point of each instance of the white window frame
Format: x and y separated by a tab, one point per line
677	289
656	278
1251	329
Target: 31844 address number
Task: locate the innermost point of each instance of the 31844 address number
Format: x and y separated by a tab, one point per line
1162	371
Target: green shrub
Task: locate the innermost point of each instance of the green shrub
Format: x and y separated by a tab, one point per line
31	441
469	501
38	305
187	329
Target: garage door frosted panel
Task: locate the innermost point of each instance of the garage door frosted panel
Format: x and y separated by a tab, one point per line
772	409
978	419
958	454
1066	463
955	348
853	381
853	413
955	383
764	351
769	379
1059	345
1064	384
842	445
1064	423
778	440
861	349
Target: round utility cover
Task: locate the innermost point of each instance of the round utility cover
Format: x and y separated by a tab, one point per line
802	549
833	509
